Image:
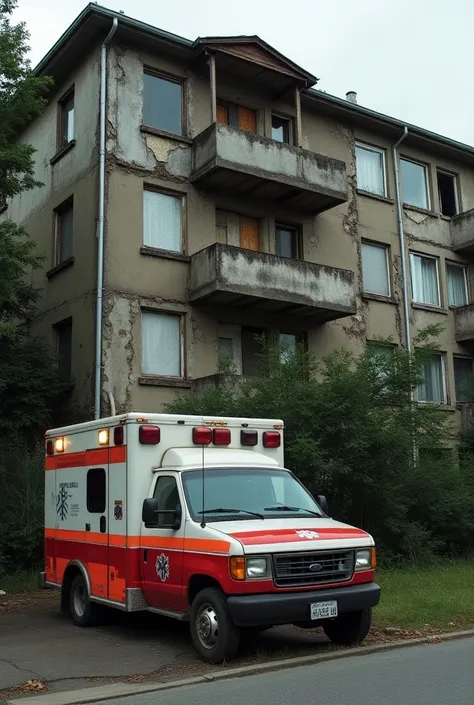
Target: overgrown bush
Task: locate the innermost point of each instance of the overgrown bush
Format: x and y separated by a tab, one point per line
353	433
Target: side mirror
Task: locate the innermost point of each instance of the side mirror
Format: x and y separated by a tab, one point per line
323	503
150	512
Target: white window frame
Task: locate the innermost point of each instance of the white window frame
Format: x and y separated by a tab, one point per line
171	194
161	312
436	259
427	184
379	150
444	402
460	265
456	190
381	246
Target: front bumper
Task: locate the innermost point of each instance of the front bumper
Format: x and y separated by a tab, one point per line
289	607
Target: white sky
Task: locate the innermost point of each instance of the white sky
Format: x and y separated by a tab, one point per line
412	59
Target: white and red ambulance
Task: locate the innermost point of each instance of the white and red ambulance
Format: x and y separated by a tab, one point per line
196	518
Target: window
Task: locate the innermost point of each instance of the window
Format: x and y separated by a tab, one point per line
375	274
66	120
370	164
433	388
63	332
251	350
289	343
287	241
162	103
381	358
237	116
463	379
226	349
238	230
96	491
166	492
457	284
282	129
162	221
161	344
424	280
63	232
448	196
414	179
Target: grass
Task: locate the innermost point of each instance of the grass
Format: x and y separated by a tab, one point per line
26	581
441	597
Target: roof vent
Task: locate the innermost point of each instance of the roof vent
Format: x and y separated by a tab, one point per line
351	96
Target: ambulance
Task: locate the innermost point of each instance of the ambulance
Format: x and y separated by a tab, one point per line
197	519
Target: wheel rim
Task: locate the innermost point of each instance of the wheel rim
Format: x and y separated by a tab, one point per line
79	600
207	626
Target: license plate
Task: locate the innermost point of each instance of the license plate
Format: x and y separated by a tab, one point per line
323	610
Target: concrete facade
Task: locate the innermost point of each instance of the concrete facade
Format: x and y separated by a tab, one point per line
221	175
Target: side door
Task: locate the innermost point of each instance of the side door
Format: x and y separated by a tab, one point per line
96	525
162	550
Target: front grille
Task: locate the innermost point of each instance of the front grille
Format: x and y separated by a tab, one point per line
293	569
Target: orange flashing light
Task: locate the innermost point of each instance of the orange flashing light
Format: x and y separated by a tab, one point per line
104	437
373	560
59	445
237	567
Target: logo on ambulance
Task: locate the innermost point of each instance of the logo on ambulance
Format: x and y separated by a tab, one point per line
162	566
305	534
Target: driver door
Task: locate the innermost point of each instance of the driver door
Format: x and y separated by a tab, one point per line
162	551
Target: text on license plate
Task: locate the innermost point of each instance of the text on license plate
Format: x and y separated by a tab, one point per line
323	610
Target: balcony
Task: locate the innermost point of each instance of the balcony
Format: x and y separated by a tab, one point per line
464	317
229	160
260	283
462	232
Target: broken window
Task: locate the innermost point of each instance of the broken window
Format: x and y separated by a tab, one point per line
448	197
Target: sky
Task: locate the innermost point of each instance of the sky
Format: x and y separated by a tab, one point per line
411	59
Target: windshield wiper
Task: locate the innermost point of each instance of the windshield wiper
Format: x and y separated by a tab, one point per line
286	508
226	510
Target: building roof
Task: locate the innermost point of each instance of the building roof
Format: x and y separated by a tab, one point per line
94	22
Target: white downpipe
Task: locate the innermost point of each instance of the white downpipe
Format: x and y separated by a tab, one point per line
100	233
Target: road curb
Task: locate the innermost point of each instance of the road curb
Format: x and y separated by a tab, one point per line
121	690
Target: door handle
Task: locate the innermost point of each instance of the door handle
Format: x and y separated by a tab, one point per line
88	527
145	555
102	525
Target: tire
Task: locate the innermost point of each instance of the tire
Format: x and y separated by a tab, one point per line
350	628
84	613
215	636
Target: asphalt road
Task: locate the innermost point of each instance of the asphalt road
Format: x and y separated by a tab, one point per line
435	674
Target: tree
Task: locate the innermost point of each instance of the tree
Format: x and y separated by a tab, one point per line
29	383
350	429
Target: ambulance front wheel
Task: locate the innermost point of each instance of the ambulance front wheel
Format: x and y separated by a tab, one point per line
215	636
350	628
84	613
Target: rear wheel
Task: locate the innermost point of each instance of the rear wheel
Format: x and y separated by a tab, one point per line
84	613
350	628
215	636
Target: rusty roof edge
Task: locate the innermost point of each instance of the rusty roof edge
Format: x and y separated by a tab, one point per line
313	94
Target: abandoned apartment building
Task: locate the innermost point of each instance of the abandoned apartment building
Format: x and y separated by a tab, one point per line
198	193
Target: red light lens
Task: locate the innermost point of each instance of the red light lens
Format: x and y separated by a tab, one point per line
118	435
249	438
202	436
50	447
271	439
221	436
149	435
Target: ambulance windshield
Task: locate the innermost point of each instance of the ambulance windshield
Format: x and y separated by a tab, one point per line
247	494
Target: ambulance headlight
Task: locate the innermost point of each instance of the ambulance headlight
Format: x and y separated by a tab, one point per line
365	559
256	568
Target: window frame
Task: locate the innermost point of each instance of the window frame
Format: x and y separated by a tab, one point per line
70	93
382	246
425	168
57	231
171	78
379	150
455	178
461	357
464	267
291	130
172	194
436	259
444	402
297	230
182	346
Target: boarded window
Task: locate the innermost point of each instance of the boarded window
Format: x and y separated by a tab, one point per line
249	233
96	491
161	344
162	221
237	116
162	103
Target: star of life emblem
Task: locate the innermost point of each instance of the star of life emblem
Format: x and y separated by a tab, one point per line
162	566
305	534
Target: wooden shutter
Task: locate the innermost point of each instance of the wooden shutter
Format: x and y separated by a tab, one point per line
249	236
222	115
247	119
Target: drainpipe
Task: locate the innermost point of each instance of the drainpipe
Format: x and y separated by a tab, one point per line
401	234
100	233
